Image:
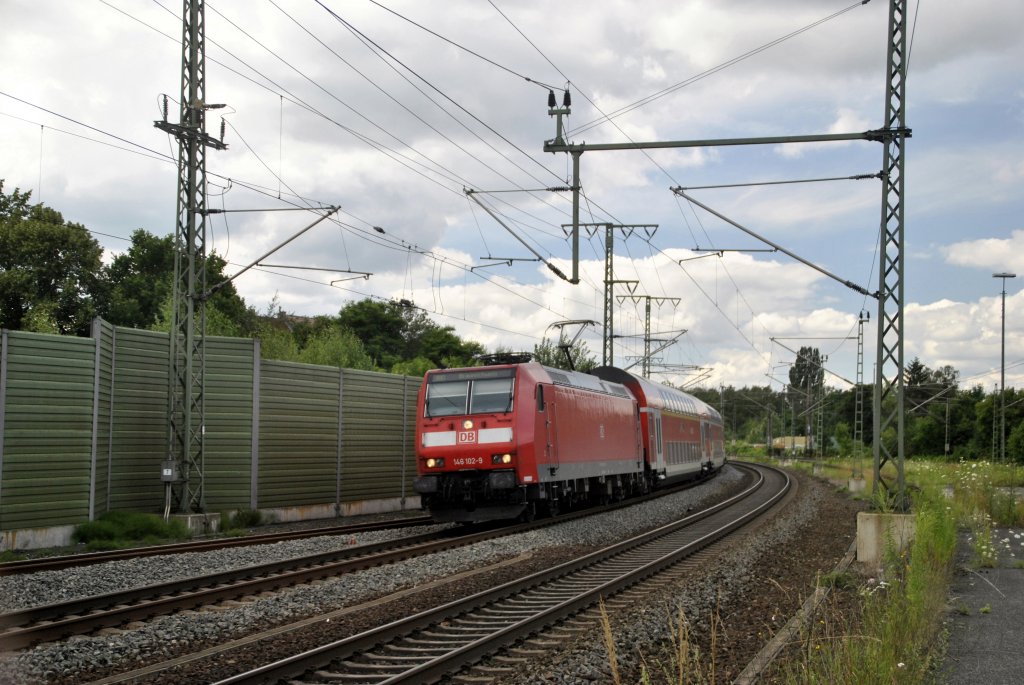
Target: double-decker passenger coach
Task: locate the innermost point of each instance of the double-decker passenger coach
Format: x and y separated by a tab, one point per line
683	436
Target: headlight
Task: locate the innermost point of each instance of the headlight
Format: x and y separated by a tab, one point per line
467	425
501	458
435	463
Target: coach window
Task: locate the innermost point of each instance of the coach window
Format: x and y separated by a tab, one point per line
446	398
491	396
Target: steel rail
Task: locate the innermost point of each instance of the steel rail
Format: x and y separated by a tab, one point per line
700	530
25	627
22	628
87	558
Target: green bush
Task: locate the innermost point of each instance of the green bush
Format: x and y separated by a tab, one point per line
247	518
120	528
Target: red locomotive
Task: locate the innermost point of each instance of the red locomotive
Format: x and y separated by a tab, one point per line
514	440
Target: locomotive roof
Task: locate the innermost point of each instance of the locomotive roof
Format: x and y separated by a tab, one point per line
586	381
659	396
538	372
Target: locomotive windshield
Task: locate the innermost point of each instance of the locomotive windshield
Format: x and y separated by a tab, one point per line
467	392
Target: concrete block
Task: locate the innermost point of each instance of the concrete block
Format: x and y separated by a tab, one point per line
877	530
327	511
36	538
199	524
856	485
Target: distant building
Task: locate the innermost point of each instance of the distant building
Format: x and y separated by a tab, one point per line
792	444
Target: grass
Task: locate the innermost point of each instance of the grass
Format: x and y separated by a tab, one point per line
683	663
892	636
894	640
238	523
121	529
900	618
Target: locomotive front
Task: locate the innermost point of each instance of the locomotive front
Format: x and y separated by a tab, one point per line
466	444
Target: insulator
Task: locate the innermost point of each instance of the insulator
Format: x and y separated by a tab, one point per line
165	108
566	99
551	99
223	125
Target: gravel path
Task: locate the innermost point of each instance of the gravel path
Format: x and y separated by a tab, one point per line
73	659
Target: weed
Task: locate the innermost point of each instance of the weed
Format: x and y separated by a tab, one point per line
10	555
609	643
118	529
895	640
987	609
843	580
247	518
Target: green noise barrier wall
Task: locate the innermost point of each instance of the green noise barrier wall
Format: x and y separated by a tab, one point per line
84	428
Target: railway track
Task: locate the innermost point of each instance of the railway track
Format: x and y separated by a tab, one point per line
19	629
439	642
47	623
70	560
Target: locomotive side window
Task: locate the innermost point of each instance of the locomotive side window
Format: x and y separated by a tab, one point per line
493	396
446	398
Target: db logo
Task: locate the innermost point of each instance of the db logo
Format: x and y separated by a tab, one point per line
467	437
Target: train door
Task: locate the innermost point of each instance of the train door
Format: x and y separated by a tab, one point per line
654	439
546	405
705	441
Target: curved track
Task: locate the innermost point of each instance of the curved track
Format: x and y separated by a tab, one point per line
439	642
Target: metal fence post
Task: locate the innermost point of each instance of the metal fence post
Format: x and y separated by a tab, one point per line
110	422
3	406
97	337
254	467
405	430
341	441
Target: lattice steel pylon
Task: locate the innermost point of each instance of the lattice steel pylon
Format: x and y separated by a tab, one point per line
607	351
186	396
858	414
645	361
888	390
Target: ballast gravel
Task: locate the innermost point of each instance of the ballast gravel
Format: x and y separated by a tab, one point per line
642	631
189	631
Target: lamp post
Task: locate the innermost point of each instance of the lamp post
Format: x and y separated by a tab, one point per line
1002	370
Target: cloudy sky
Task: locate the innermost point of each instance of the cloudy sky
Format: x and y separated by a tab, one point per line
391	109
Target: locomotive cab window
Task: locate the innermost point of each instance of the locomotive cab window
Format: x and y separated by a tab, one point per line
446	398
470	392
491	396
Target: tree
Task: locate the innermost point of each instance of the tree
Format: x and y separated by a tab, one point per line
806	379
923	385
549	354
397	331
142	286
381	326
413	367
51	272
1015	444
442	347
141	281
336	347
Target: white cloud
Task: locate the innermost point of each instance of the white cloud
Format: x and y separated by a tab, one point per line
997	254
963	197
